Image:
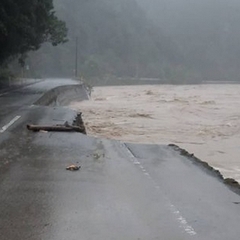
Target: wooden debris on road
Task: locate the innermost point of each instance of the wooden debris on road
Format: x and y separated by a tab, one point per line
56	128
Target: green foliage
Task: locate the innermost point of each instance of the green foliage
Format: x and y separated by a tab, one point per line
179	74
25	25
90	69
5	74
207	32
115	38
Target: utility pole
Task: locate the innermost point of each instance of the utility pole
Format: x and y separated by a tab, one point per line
137	70
76	60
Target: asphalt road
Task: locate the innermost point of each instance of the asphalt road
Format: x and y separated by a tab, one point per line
122	191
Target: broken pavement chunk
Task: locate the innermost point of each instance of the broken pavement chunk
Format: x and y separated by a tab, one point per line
73	168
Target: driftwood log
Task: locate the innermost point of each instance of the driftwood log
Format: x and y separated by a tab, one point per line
57	128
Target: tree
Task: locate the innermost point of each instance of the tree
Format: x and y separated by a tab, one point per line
25	25
115	36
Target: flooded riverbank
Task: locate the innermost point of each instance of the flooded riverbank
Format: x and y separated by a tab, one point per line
203	119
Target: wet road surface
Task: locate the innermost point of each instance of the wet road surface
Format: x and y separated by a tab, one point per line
16	103
123	191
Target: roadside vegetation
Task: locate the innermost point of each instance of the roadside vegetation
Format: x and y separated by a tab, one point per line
178	41
116	39
174	41
24	26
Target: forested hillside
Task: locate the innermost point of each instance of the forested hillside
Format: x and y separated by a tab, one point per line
25	25
174	40
115	37
207	32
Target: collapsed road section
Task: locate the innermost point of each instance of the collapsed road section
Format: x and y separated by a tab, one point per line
77	126
59	97
230	182
111	191
64	95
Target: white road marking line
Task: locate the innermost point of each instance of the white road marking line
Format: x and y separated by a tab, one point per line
136	163
5	93
184	224
4	128
182	221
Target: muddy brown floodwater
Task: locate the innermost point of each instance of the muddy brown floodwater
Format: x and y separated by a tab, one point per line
203	119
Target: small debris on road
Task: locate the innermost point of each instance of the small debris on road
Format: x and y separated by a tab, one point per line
73	168
43	131
231	182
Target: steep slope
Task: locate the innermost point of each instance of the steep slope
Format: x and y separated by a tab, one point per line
207	32
114	37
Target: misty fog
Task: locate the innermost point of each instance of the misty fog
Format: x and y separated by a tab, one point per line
174	40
